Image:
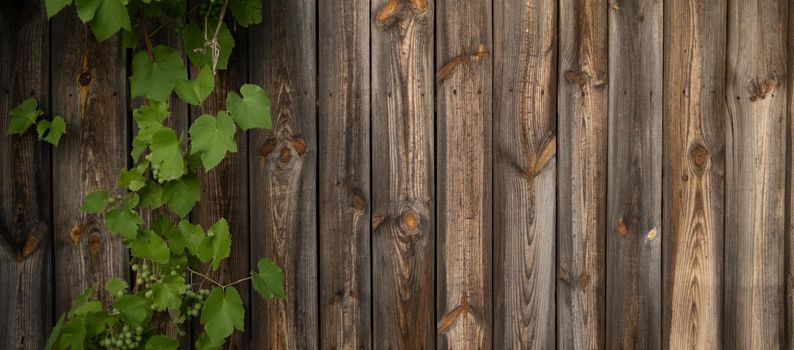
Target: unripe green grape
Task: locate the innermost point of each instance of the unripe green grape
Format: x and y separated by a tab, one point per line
139	280
139	329
148	293
134	267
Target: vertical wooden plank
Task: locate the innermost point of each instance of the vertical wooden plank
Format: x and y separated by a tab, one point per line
283	173
694	168
464	303
582	181
790	189
89	81
402	146
755	174
224	189
525	142
344	127
25	182
634	195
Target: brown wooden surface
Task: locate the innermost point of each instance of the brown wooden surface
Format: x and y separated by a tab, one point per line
90	81
694	164
343	86
283	173
403	222
634	186
756	95
524	177
25	185
582	174
572	174
463	172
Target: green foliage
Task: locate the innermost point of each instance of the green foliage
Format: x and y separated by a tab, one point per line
167	254
252	110
268	280
212	137
26	114
223	313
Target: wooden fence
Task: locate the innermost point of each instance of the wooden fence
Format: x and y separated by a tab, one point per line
578	174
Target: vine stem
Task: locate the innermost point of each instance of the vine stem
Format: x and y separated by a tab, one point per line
215	34
239	281
206	278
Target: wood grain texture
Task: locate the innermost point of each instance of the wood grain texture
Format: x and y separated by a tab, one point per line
463	105
90	81
402	191
755	175
582	179
790	189
344	174
224	189
694	168
283	174
525	156
25	183
634	195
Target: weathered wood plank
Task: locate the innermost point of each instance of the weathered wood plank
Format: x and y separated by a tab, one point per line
283	174
25	182
525	143
790	189
224	189
89	81
344	126
464	254
634	195
755	176
582	179
694	168
402	196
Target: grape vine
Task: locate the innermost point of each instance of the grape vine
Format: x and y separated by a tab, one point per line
167	254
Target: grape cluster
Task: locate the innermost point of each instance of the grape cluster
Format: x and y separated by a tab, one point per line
123	338
145	277
194	301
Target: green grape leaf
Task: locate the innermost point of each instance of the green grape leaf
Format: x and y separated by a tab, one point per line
217	245
89	307
132	179
247	12
73	334
166	155
55	6
165	228
204	342
196	91
223	313
116	285
192	236
212	138
23	116
95	202
161	342
51	131
252	110
55	334
133	309
167	294
199	53
124	222
151	195
155	79
151	114
181	195
149	245
106	17
268	281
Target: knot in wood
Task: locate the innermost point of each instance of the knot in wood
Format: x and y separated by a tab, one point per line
85	78
94	242
409	221
267	148
30	246
359	203
377	220
286	154
622	229
699	156
300	147
74	234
